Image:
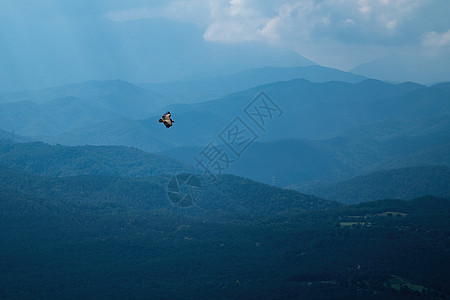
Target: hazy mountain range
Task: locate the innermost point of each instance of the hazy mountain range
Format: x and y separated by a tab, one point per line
424	68
310	110
99	174
329	128
312	169
402	183
217	87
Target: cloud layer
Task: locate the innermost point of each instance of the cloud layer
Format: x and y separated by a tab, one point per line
375	22
335	33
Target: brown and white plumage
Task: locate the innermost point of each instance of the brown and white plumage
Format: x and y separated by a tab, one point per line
166	119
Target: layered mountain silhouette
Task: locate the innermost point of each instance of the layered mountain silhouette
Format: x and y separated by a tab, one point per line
325	131
119	178
423	68
402	183
310	110
193	91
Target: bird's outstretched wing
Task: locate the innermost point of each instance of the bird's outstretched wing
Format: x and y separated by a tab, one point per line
166	119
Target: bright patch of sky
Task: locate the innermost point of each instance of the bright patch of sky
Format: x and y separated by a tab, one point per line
335	33
340	33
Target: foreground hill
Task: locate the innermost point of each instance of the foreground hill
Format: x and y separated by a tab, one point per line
44	159
60	235
403	183
228	195
106	174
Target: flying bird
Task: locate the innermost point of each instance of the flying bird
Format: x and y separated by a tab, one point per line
166	119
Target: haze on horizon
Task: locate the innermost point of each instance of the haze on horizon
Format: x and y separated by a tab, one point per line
58	42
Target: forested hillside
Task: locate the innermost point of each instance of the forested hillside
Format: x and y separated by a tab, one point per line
61	236
106	194
45	159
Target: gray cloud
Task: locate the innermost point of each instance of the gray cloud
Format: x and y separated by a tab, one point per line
337	33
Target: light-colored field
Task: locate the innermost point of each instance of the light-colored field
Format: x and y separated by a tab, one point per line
397	283
344	224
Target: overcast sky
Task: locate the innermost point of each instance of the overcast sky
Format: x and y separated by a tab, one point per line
334	33
337	33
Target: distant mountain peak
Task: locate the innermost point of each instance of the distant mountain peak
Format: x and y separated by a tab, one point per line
419	68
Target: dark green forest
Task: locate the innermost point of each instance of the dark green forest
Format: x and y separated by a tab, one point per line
44	159
104	236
